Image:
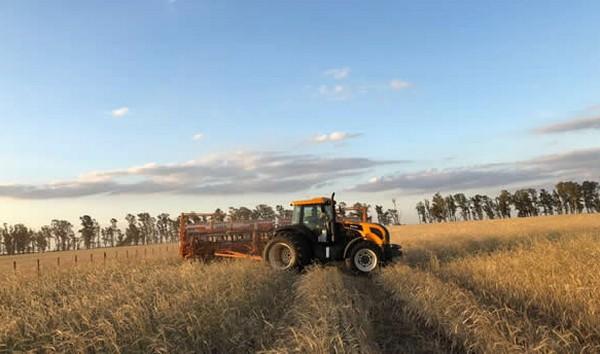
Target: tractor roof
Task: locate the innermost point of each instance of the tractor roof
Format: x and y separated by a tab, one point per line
319	200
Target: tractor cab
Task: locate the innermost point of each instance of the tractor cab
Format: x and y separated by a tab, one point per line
317	215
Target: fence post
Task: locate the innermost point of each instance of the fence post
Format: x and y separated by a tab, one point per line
104	257
58	261
75	259
127	254
15	266
38	267
91	258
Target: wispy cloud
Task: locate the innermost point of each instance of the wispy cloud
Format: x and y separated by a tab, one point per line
120	112
337	73
334	137
228	173
198	136
588	120
575	164
398	85
592	123
335	92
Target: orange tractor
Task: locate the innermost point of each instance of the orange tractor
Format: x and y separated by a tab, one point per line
315	233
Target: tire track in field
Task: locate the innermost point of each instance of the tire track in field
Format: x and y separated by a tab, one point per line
393	332
326	316
336	312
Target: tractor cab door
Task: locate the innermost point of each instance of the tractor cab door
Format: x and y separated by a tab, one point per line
316	218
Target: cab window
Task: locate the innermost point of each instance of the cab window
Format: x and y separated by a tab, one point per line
313	218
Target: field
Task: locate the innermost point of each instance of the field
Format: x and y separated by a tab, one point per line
27	264
526	285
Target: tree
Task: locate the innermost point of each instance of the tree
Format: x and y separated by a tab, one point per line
283	213
382	216
451	207
522	202
219	215
88	230
477	207
147	228
546	202
132	233
463	203
489	207
263	212
46	232
21	237
438	208
394	214
111	235
174	229
421	212
40	241
241	214
571	195
62	231
557	203
589	191
503	202
428	211
162	225
533	207
7	239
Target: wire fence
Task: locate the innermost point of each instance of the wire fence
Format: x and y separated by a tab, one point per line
38	264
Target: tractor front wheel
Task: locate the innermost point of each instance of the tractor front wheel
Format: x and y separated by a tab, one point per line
364	258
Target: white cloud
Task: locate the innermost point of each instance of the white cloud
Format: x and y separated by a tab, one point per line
576	164
588	119
198	136
334	137
335	92
120	112
217	174
338	73
398	85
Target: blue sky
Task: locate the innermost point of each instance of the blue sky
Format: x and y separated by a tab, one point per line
381	100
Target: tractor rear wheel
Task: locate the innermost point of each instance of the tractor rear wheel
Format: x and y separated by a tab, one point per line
364	258
287	251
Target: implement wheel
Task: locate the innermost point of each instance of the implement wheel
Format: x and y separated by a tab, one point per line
287	252
364	258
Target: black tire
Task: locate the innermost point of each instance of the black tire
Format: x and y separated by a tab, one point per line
364	258
287	251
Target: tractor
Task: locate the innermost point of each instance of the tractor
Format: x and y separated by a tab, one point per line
316	233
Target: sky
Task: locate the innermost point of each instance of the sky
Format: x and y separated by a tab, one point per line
116	107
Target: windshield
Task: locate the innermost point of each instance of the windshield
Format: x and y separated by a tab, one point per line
313	216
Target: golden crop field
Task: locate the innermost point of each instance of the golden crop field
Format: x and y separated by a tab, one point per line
512	286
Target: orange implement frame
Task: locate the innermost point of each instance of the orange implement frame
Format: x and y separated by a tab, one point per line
206	240
363	214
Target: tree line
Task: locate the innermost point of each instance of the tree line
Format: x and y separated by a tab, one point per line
566	198
143	228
